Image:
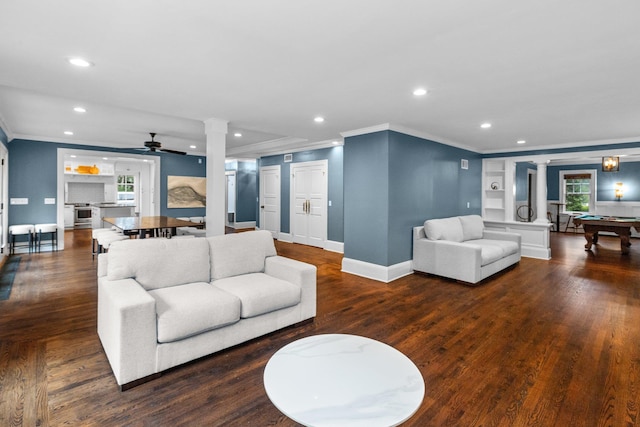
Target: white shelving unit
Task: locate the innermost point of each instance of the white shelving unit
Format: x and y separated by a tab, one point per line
497	189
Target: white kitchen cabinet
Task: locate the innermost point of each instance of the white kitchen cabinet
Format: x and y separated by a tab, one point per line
69	216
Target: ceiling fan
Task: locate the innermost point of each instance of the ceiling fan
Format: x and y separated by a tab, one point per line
154	146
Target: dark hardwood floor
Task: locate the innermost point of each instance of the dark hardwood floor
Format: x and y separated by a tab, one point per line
546	343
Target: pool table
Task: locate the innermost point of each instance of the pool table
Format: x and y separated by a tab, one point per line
592	224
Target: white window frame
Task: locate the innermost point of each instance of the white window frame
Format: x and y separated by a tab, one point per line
594	186
135	188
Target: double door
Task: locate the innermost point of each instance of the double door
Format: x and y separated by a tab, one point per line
309	183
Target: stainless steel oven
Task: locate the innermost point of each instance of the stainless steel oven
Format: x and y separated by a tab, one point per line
82	215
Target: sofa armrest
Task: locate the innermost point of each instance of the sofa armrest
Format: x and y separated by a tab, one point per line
297	272
127	328
502	235
449	259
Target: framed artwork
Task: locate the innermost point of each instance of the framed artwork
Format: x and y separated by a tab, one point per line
186	192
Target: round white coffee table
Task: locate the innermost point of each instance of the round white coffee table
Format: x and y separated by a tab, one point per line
343	380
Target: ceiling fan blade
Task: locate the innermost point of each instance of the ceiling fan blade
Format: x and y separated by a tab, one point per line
166	150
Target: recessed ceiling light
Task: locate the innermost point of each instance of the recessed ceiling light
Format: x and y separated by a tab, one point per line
79	62
73	156
522	141
318	119
336	142
192	146
237	134
485	125
105	158
420	91
68	132
79	109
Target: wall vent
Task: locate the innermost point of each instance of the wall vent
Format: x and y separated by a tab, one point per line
288	158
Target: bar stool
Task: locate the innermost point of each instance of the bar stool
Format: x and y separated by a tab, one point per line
106	239
20	230
94	238
52	230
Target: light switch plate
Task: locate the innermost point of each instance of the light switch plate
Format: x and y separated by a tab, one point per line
19	201
49	200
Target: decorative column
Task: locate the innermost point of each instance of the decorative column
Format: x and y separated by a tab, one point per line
541	193
216	131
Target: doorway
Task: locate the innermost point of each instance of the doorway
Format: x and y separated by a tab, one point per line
230	197
270	199
531	194
309	184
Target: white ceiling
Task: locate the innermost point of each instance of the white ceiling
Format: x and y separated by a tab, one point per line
553	73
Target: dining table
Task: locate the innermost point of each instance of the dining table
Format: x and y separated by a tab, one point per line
149	225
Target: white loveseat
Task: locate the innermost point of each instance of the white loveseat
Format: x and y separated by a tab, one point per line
460	248
164	302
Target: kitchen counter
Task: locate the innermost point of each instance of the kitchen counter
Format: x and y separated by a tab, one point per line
109	210
113	205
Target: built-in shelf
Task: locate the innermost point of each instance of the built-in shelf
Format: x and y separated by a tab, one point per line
495	181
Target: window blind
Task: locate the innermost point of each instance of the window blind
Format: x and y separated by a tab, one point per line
578	176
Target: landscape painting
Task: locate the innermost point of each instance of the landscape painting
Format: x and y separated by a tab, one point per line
186	192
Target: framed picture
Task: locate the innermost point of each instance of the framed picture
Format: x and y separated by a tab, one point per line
186	192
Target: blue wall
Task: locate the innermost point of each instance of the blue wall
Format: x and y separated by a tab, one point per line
334	157
393	182
629	175
33	174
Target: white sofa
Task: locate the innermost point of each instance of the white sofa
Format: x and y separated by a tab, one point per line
460	248
164	302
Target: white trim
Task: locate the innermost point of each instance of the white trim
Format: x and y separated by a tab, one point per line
285	237
375	271
577	144
364	131
332	246
406	131
5	128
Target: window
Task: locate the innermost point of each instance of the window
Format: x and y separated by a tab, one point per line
578	190
126	188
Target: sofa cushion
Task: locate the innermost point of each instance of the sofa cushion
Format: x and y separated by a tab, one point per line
158	263
186	310
260	293
493	250
240	253
448	229
472	227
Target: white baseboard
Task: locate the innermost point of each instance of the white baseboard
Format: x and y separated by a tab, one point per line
332	246
246	224
375	271
285	237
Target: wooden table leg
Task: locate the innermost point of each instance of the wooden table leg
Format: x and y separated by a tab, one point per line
589	236
624	243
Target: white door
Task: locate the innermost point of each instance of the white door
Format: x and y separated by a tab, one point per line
309	183
270	199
